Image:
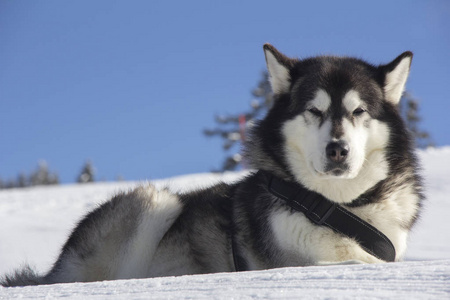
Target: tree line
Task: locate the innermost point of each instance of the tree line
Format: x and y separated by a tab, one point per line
42	175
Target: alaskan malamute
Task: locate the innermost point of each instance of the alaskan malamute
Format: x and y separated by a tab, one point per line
335	181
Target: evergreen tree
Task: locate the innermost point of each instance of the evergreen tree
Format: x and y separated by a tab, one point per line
42	175
409	108
10	184
232	128
87	173
22	180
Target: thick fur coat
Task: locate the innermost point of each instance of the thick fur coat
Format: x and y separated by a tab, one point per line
334	128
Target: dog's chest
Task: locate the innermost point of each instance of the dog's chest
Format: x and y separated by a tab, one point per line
305	243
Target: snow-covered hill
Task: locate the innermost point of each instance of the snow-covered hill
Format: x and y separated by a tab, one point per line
35	222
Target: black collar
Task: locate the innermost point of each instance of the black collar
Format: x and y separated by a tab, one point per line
324	212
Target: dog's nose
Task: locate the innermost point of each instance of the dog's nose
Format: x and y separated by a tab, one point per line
337	151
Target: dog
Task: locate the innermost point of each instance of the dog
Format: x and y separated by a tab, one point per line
335	181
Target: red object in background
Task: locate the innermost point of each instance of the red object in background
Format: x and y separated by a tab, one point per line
242	127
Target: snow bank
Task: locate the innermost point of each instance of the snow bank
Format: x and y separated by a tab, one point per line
35	222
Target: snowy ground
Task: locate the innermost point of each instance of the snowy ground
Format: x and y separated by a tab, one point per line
35	222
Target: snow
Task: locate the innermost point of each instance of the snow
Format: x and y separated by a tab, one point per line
409	280
35	222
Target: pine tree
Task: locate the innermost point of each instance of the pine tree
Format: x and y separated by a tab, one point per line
42	175
10	184
232	128
22	180
409	108
87	173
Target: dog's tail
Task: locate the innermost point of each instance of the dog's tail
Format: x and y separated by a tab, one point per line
22	277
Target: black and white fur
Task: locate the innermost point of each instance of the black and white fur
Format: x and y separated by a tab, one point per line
334	128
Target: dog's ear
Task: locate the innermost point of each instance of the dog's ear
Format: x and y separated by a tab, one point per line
396	73
279	67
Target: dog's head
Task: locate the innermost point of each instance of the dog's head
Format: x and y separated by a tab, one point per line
331	113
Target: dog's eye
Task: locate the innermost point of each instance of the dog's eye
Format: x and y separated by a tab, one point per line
359	111
315	112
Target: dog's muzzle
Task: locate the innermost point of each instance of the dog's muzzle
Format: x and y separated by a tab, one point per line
337	154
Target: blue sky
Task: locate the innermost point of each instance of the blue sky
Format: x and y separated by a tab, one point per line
131	85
